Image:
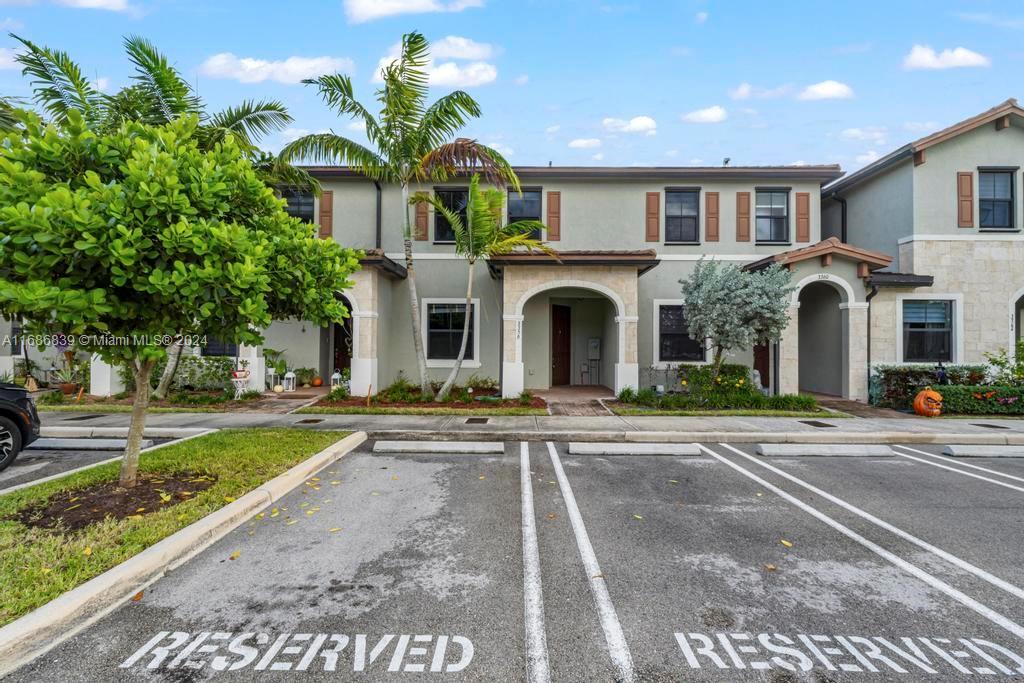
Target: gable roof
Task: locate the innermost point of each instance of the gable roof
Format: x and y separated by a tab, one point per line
907	151
831	246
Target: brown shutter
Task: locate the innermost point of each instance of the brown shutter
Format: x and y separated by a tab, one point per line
653	216
965	199
554	221
421	229
711	216
803	217
326	214
742	216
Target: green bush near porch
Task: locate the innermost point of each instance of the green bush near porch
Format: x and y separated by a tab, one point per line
982	400
894	386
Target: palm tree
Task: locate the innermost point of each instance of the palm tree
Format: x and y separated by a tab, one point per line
8	109
410	142
482	236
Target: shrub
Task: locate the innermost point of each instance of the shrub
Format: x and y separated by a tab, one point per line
894	386
525	397
982	400
697	377
186	398
51	398
338	393
627	395
647	397
477	383
1006	371
400	391
194	373
304	376
250	395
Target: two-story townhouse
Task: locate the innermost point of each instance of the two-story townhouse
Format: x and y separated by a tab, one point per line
947	205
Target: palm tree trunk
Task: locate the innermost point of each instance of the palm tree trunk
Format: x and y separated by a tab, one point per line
448	383
130	460
173	356
414	302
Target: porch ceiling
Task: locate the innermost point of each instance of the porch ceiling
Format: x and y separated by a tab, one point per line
643	259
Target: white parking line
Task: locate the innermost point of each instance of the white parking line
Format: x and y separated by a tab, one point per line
961	464
533	596
958	471
948	557
616	640
964	599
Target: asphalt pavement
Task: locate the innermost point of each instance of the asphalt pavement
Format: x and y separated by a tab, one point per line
539	565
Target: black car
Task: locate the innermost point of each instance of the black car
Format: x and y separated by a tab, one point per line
19	422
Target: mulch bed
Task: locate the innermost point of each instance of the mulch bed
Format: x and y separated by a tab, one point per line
73	510
375	402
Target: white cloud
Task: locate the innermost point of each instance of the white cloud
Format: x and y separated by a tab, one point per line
867	157
10	24
457	47
696	162
715	114
746	91
701	17
501	148
357	126
451	74
991	19
358	11
741	91
522	79
637	124
110	5
551	130
585	143
920	126
799	162
874	134
102	84
7	58
924	57
749	111
290	70
293	134
598	157
826	90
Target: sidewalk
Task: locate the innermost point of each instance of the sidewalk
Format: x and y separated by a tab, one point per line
596	428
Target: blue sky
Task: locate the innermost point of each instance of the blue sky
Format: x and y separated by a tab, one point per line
589	82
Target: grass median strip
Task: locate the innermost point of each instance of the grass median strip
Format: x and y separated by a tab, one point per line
412	410
37	564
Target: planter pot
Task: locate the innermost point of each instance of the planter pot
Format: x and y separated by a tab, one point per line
68	388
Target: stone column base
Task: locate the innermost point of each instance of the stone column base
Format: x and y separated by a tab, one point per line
364	377
627	375
511	379
103	378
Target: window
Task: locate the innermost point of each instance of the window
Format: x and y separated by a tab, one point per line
681	215
675	345
218	347
995	190
455	200
444	331
927	331
525	206
772	215
300	204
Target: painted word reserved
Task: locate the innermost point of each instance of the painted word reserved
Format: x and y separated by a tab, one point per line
303	651
852	654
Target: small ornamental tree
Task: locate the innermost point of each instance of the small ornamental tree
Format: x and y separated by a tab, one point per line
127	237
734	308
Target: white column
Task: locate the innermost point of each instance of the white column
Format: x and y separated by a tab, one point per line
789	353
512	368
255	364
627	369
857	350
364	354
103	378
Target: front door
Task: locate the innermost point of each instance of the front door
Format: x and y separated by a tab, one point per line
762	363
342	344
561	345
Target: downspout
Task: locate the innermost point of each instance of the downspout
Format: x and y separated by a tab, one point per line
867	300
379	240
842	216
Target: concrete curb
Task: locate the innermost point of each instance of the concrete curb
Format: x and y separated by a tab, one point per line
821	437
62	432
34	634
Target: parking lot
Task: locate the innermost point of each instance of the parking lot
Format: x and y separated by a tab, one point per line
537	564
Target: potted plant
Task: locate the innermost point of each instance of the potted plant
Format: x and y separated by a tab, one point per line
67	380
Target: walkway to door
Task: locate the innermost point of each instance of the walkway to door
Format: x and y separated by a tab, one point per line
578	400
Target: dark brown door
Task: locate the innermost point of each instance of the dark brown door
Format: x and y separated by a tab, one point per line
762	363
561	345
342	345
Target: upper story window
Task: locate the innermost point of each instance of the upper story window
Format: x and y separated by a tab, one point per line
995	190
219	347
674	343
525	206
927	331
772	215
300	203
682	213
455	199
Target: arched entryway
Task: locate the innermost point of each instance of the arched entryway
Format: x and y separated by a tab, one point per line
342	341
823	346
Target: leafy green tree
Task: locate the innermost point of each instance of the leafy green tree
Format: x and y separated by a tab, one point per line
482	236
138	233
734	308
411	141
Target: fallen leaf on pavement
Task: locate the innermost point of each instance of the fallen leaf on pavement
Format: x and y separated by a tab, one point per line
235	555
137	597
770	567
275	512
394	477
335	483
637	517
260	516
552	515
759	494
140	509
672	481
337	528
786	543
290	522
483	476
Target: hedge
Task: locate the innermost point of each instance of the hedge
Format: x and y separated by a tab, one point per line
194	373
982	400
894	386
693	387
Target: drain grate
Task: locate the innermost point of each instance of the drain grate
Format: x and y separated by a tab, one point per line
310	421
477	420
817	423
988	426
81	418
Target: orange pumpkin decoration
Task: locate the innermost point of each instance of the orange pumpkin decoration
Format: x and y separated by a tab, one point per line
928	403
317	382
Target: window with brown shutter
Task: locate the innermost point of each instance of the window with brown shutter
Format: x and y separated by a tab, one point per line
803	217
711	216
421	229
742	216
326	214
653	216
554	221
965	199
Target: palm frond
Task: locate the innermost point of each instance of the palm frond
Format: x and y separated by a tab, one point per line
172	95
463	156
319	148
336	90
58	83
446	117
402	98
251	120
280	174
8	109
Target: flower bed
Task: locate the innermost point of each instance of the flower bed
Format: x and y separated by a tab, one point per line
894	386
403	397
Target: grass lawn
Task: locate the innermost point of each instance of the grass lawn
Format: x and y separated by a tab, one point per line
38	564
413	410
728	413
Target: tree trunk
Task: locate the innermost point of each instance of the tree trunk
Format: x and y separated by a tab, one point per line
173	356
448	383
414	302
717	363
130	461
